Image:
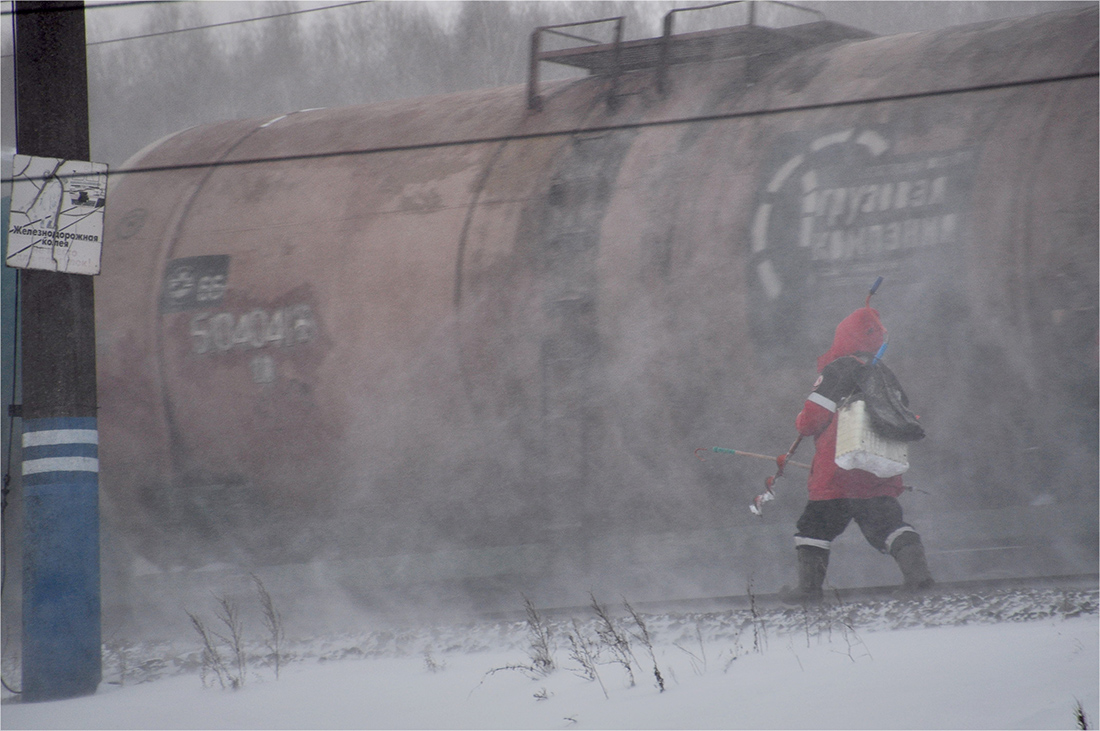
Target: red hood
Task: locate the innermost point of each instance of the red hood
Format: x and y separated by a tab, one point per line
861	331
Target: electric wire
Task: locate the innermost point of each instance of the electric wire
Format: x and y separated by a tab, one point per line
11	437
5	489
197	27
59	8
596	129
226	23
7	463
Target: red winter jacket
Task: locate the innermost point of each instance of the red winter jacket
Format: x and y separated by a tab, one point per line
859	334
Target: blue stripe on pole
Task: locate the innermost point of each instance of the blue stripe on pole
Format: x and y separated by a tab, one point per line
60	450
59	422
61	602
62	478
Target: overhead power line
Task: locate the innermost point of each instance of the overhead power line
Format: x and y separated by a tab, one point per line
624	126
62	8
227	23
190	28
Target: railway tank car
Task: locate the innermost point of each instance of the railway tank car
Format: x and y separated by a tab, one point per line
466	345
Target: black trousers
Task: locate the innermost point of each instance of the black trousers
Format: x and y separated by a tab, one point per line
880	519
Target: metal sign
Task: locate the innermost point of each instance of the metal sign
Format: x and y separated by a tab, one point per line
56	221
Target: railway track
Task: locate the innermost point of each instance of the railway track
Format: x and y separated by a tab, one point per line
972	591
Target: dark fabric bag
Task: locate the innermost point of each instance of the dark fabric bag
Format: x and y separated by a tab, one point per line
888	405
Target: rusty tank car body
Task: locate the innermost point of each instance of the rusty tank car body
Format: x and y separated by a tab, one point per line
466	345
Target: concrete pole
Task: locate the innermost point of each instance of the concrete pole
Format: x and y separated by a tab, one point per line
61	601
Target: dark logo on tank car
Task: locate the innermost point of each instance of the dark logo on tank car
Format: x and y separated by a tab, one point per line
841	207
193	282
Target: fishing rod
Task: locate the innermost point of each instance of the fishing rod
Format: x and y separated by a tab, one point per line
781	462
874	288
742	453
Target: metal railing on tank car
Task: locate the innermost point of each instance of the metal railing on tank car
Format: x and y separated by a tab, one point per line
613	58
534	101
669	21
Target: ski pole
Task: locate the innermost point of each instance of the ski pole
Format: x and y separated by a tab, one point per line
741	453
757	506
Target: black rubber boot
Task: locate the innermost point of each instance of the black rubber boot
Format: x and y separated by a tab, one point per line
813	562
908	551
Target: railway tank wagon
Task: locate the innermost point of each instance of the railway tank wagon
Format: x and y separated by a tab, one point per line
468	343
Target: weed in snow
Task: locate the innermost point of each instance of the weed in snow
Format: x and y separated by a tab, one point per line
692	635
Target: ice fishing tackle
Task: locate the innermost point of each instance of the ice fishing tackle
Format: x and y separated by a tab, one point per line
874	288
781	461
740	453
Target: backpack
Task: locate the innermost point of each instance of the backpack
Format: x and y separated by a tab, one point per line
887	404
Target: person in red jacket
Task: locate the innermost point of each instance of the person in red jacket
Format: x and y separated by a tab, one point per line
838	496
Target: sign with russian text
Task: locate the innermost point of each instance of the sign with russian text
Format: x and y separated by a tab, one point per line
56	221
838	207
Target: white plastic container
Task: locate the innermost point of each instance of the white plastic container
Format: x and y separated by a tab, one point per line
858	447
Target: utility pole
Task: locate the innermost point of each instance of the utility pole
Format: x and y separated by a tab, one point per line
60	483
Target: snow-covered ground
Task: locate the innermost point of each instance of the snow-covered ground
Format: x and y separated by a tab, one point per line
1024	658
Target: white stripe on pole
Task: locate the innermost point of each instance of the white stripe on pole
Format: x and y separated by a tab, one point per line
60	464
60	436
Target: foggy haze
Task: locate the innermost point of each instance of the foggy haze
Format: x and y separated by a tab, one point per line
442	397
